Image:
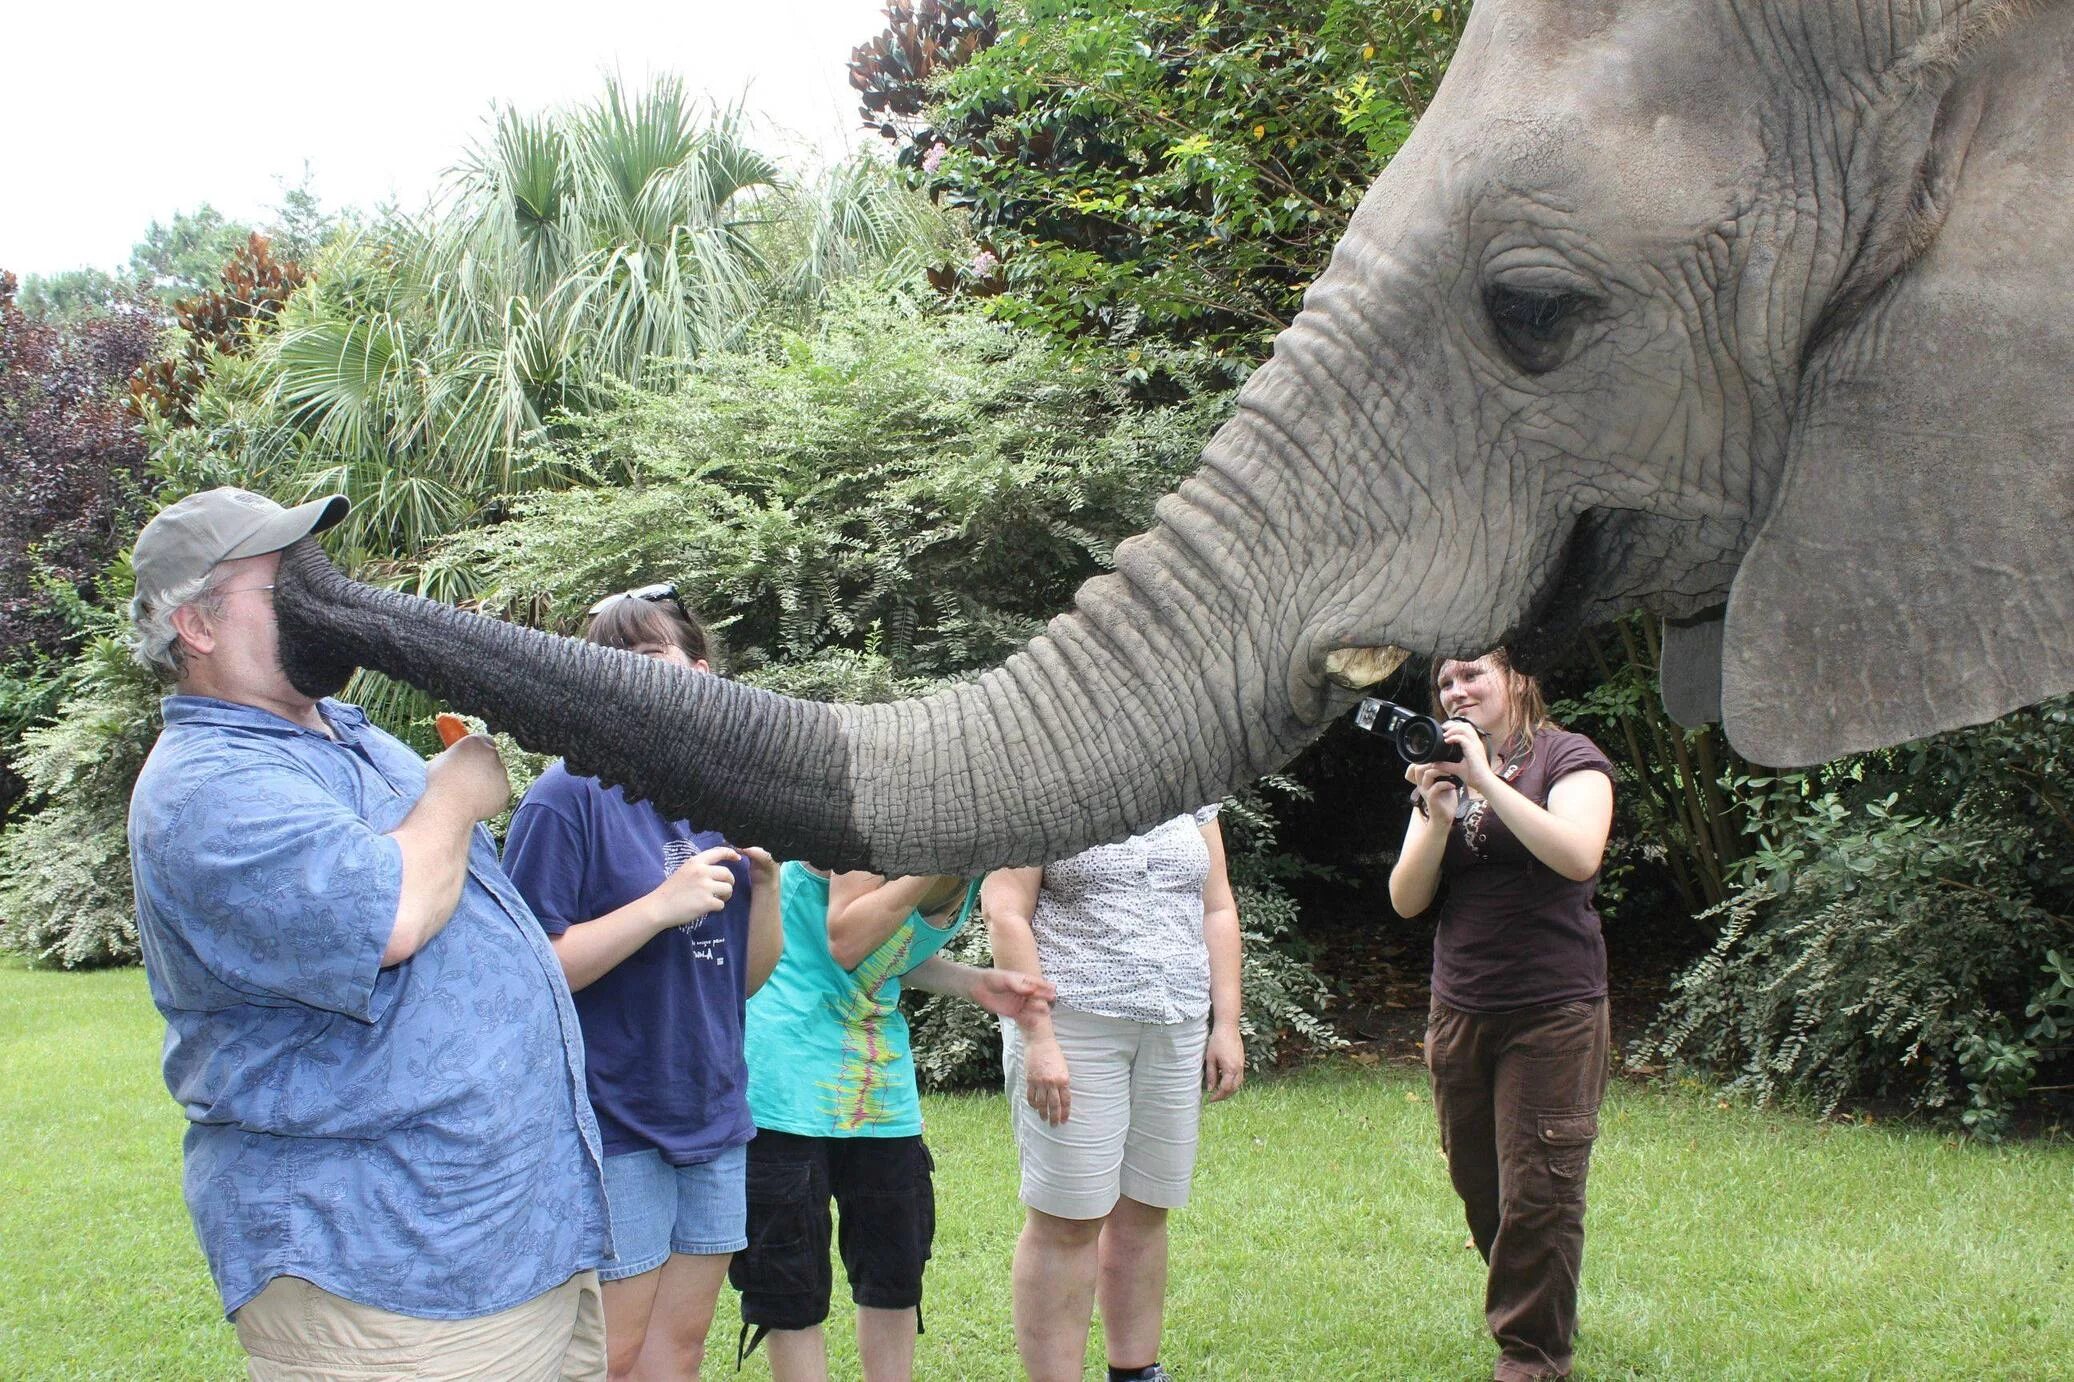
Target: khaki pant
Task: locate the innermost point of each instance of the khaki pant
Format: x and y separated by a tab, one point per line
296	1332
1137	1109
1517	1095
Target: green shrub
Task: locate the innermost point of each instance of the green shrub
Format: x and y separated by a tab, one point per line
65	895
1900	919
903	479
1157	172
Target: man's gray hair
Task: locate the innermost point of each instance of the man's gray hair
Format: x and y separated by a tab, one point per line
155	642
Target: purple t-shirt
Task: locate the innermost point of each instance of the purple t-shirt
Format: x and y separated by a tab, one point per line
1513	932
662	1030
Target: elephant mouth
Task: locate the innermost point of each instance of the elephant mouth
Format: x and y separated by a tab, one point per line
1551	615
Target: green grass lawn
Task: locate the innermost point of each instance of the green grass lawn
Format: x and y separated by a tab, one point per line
1323	1243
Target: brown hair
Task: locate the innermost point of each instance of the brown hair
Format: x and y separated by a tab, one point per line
1529	707
632	620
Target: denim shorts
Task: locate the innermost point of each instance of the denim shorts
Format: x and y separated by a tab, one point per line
658	1209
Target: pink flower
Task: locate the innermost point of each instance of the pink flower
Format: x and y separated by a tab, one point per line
934	157
984	263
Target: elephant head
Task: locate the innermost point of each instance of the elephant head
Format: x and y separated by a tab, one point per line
1752	315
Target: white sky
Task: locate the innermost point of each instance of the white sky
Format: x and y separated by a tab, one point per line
108	128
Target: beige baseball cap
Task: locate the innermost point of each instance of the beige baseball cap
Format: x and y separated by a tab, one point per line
187	540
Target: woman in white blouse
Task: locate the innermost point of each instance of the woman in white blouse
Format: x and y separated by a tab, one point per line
1141	940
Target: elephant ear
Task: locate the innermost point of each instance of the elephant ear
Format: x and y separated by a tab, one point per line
1690	669
1915	571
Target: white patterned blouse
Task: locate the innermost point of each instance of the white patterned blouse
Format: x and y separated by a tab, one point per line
1119	927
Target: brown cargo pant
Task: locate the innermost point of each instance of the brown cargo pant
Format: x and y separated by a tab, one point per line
1517	1095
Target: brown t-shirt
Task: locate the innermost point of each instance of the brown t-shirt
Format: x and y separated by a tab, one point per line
1513	932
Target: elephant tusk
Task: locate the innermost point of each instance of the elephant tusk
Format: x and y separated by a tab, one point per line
1355	668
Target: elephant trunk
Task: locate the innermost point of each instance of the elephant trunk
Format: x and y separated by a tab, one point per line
1176	679
680	739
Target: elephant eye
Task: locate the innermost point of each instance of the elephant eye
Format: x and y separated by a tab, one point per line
1535	327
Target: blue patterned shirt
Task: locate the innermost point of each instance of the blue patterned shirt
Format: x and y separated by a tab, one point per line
413	1138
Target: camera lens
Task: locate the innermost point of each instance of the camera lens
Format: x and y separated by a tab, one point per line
1417	740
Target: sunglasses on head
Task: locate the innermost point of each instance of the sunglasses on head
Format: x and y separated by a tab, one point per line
661	592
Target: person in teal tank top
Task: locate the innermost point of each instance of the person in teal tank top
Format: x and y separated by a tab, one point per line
832	1092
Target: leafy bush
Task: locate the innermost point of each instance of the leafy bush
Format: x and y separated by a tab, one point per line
1676	809
906	479
1154	172
65	895
1899	919
902	495
72	460
226	319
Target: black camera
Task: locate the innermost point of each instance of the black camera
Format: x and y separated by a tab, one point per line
1417	737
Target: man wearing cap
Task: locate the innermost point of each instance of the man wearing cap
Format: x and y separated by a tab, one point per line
390	1160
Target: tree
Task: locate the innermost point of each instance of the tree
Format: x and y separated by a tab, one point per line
71	294
1140	171
72	459
179	258
228	319
580	249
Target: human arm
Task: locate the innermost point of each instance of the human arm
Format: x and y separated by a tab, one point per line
1569	834
1224	1058
464	785
865	908
1009	897
700	886
1002	992
1415	877
766	921
273	882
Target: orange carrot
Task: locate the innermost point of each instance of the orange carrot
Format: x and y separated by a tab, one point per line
452	728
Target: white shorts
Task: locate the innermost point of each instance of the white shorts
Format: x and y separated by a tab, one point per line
1137	1103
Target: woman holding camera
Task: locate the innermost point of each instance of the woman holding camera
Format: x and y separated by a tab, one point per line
1517	1037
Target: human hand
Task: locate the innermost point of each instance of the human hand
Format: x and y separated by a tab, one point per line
700	887
1224	1061
1008	993
1438	788
471	776
763	870
1475	767
1045	1083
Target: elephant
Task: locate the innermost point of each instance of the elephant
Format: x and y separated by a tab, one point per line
1754	316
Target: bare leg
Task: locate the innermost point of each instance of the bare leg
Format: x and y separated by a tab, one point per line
797	1355
1134	1283
628	1303
683	1312
886	1343
1057	1262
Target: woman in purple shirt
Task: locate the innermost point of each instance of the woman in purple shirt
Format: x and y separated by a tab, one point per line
663	931
1517	1038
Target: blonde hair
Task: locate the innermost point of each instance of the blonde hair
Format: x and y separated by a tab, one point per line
1528	712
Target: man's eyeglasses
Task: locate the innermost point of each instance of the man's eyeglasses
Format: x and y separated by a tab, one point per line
662	592
237	590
